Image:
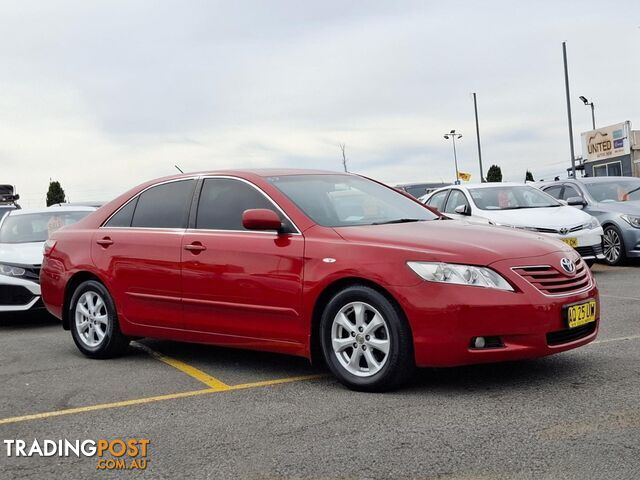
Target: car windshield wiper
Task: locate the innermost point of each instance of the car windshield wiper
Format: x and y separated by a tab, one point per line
633	190
398	220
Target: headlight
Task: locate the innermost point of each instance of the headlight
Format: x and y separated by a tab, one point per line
460	275
594	223
11	271
631	220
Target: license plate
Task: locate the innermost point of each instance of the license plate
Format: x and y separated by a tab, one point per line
571	241
581	313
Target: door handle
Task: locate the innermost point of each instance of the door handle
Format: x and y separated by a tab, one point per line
195	247
104	242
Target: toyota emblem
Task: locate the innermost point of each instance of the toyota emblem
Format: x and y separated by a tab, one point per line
564	231
567	265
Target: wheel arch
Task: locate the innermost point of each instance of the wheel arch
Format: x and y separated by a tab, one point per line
75	280
329	291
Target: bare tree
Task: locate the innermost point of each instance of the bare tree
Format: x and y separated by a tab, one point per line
344	156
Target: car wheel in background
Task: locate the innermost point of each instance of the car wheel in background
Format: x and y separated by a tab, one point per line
613	245
366	341
94	322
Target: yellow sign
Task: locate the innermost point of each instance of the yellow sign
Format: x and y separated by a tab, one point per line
464	176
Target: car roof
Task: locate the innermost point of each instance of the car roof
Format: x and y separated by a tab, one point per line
26	211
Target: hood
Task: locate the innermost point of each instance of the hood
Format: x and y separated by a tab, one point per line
631	208
21	253
455	241
554	217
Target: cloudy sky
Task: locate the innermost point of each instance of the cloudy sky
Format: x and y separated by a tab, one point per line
104	95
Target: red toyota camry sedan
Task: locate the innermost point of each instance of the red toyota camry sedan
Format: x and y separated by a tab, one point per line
317	264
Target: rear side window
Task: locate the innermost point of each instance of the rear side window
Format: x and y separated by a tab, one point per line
164	206
224	200
124	216
437	201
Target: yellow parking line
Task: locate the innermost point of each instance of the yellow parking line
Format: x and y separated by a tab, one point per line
157	398
193	372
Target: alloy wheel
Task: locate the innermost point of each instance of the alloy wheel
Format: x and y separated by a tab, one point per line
92	319
612	245
360	339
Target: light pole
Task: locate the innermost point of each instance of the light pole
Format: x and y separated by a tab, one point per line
475	108
593	113
453	136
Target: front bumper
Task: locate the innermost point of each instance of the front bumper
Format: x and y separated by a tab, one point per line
445	318
631	237
18	294
589	242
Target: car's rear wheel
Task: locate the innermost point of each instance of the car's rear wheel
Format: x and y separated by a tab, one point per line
614	252
94	322
366	341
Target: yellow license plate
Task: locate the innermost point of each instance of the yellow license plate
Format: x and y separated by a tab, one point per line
581	314
571	241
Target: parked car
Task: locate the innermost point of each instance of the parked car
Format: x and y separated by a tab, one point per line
523	207
418	190
615	202
22	236
316	264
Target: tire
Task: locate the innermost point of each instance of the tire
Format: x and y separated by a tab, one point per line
94	322
361	321
613	246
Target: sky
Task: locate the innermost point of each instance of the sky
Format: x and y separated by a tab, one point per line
104	95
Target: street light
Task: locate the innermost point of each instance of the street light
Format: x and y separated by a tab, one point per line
453	136
593	114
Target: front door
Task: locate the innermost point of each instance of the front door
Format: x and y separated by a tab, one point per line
237	282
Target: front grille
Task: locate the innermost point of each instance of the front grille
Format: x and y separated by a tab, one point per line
551	281
557	231
570	334
591	251
14	295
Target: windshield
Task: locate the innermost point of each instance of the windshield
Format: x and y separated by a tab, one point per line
614	191
511	198
36	227
346	200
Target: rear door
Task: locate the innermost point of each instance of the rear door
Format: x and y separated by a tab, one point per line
138	251
239	282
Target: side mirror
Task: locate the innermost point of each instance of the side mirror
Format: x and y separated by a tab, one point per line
261	219
462	210
576	201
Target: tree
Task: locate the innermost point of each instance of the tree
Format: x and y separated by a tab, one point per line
55	194
494	174
529	177
344	157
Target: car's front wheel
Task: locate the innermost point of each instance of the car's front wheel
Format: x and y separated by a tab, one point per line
94	322
366	341
614	250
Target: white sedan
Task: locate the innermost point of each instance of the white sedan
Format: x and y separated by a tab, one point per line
521	206
22	237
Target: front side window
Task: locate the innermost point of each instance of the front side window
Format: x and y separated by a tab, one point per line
554	191
224	200
348	200
570	192
164	206
36	227
511	198
456	199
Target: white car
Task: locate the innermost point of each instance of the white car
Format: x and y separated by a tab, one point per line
517	205
22	236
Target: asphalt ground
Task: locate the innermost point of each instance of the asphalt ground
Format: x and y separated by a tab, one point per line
212	412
